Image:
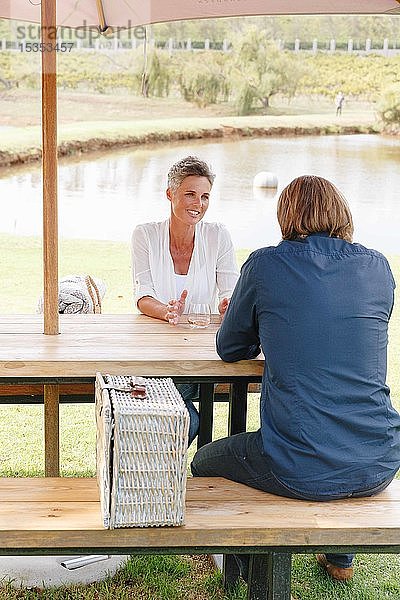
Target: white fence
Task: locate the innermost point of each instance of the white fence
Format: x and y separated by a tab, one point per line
386	47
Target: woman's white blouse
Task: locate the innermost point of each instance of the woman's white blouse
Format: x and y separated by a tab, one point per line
212	273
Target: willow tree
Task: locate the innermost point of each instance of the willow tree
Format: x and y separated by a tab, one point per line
260	70
157	74
202	78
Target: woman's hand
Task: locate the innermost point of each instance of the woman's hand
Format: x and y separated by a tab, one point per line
175	309
223	305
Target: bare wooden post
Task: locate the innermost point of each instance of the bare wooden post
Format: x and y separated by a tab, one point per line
50	222
315	46
51	431
49	163
386	46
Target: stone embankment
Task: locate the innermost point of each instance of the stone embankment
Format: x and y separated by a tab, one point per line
97	142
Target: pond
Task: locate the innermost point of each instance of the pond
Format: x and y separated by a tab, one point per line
104	196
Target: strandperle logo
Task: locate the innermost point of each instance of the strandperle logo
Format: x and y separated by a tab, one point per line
82	32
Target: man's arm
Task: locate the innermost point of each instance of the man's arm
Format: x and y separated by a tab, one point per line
237	338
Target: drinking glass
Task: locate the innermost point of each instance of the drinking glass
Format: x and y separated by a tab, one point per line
199	315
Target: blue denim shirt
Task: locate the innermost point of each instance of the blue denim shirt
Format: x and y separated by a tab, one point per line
319	308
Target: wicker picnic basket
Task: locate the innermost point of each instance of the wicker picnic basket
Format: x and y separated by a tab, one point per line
141	451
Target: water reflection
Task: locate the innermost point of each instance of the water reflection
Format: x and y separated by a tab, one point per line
104	197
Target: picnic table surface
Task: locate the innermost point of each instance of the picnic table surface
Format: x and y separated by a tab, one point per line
118	344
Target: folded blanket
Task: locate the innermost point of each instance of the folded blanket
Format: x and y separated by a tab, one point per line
78	294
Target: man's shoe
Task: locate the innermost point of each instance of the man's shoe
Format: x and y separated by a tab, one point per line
338	573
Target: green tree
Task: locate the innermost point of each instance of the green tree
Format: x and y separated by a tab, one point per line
389	107
202	78
157	74
261	70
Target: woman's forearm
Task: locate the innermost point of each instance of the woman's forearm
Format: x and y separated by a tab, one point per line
152	308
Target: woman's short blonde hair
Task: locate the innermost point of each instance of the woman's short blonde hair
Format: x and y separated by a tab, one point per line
311	204
190	165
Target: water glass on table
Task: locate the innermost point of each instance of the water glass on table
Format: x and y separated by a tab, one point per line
199	315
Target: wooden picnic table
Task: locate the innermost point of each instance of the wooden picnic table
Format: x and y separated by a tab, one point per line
129	344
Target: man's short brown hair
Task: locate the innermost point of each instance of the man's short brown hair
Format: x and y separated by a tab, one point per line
311	204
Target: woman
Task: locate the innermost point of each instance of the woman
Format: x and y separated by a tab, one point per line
184	259
319	306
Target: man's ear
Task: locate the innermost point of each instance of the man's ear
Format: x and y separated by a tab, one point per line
169	194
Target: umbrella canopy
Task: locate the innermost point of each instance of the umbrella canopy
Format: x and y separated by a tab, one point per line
130	13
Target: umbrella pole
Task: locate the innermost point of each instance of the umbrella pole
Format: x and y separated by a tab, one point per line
50	223
49	163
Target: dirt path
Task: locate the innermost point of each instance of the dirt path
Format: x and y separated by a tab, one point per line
22	108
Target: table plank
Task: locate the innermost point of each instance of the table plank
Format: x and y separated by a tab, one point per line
115	344
135	323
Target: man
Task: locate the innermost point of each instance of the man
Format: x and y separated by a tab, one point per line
318	305
339	100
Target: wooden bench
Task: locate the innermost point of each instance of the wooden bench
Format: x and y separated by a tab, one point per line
62	516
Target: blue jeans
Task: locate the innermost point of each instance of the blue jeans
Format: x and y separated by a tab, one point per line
241	458
190	392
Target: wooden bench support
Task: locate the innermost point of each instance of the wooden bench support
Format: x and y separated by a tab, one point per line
237	424
269	576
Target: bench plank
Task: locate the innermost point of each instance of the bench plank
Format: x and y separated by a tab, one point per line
57	489
65	513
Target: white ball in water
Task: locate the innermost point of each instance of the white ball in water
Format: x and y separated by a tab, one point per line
265	179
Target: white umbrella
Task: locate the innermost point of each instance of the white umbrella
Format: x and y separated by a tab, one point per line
105	14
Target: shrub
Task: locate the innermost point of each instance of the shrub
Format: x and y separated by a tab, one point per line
389	107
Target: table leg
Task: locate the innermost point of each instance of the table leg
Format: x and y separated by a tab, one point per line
230	571
51	431
269	576
206	412
238	407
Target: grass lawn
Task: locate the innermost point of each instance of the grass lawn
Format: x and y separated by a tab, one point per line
21	438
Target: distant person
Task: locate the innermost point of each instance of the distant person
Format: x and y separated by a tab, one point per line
339	101
184	259
318	305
